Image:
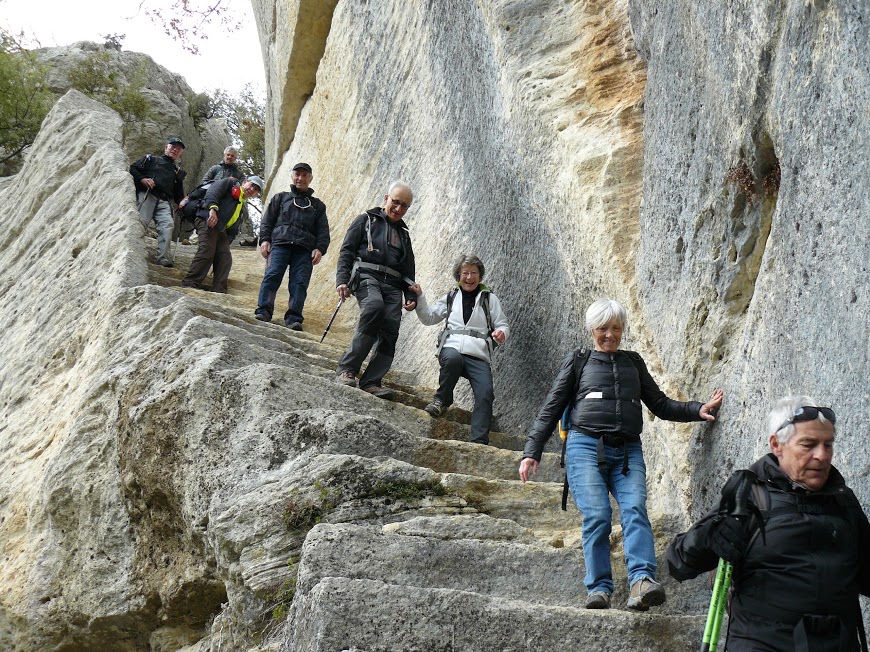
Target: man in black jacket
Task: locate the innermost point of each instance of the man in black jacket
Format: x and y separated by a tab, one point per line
294	234
796	579
222	170
376	264
158	181
215	223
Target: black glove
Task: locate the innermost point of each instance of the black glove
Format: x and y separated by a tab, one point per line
729	539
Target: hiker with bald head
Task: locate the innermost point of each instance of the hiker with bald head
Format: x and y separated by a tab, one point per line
158	181
294	236
216	223
801	555
376	265
602	389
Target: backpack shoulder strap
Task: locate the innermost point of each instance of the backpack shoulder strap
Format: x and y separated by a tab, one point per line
581	357
484	303
442	337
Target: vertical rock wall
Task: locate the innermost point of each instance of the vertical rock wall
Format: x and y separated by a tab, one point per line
525	131
773	284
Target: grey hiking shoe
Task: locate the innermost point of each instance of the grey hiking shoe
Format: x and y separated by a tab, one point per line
346	378
377	390
435	408
645	593
598	600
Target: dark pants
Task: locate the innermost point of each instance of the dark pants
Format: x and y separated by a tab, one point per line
380	313
479	374
282	257
213	250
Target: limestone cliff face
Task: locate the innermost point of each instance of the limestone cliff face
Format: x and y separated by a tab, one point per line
772	280
533	136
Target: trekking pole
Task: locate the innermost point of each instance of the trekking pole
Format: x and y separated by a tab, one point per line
332	319
724	571
717	606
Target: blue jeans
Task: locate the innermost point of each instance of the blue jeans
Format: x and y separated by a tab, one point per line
282	257
590	487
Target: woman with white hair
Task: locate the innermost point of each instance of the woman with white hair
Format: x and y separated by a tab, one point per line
602	389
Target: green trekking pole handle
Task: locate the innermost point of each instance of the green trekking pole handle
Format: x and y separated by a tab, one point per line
715	606
720	612
724	571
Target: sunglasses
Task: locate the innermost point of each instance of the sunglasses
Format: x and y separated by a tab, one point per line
809	413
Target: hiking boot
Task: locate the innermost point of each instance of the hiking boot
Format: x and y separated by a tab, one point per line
165	263
346	378
645	593
262	316
598	600
377	390
435	408
294	326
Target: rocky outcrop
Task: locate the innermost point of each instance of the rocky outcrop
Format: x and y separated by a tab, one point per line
175	472
167	95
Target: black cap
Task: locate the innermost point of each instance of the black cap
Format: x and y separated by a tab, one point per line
175	140
303	166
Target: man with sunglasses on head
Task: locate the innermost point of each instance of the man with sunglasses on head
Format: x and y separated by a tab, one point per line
802	557
294	235
376	265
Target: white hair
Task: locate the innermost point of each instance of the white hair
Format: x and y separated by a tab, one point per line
602	312
783	410
230	149
400	184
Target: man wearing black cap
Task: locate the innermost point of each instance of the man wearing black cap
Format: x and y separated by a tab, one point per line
216	223
294	234
158	180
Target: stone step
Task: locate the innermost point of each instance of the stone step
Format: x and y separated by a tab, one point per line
339	613
542	574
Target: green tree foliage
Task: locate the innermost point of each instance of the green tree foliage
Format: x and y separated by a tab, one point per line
245	114
24	101
96	77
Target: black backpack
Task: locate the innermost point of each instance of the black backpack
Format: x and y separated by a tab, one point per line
195	201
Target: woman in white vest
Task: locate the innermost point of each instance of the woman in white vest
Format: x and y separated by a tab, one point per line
475	325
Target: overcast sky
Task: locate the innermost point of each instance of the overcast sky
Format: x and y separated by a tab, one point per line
224	59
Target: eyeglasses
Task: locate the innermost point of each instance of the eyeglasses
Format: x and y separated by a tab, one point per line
469	274
809	413
400	204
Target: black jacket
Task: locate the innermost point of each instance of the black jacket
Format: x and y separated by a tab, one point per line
167	176
391	247
220	194
296	218
813	559
622	380
222	171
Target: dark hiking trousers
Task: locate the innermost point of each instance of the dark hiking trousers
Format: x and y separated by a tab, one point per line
213	250
479	374
380	313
